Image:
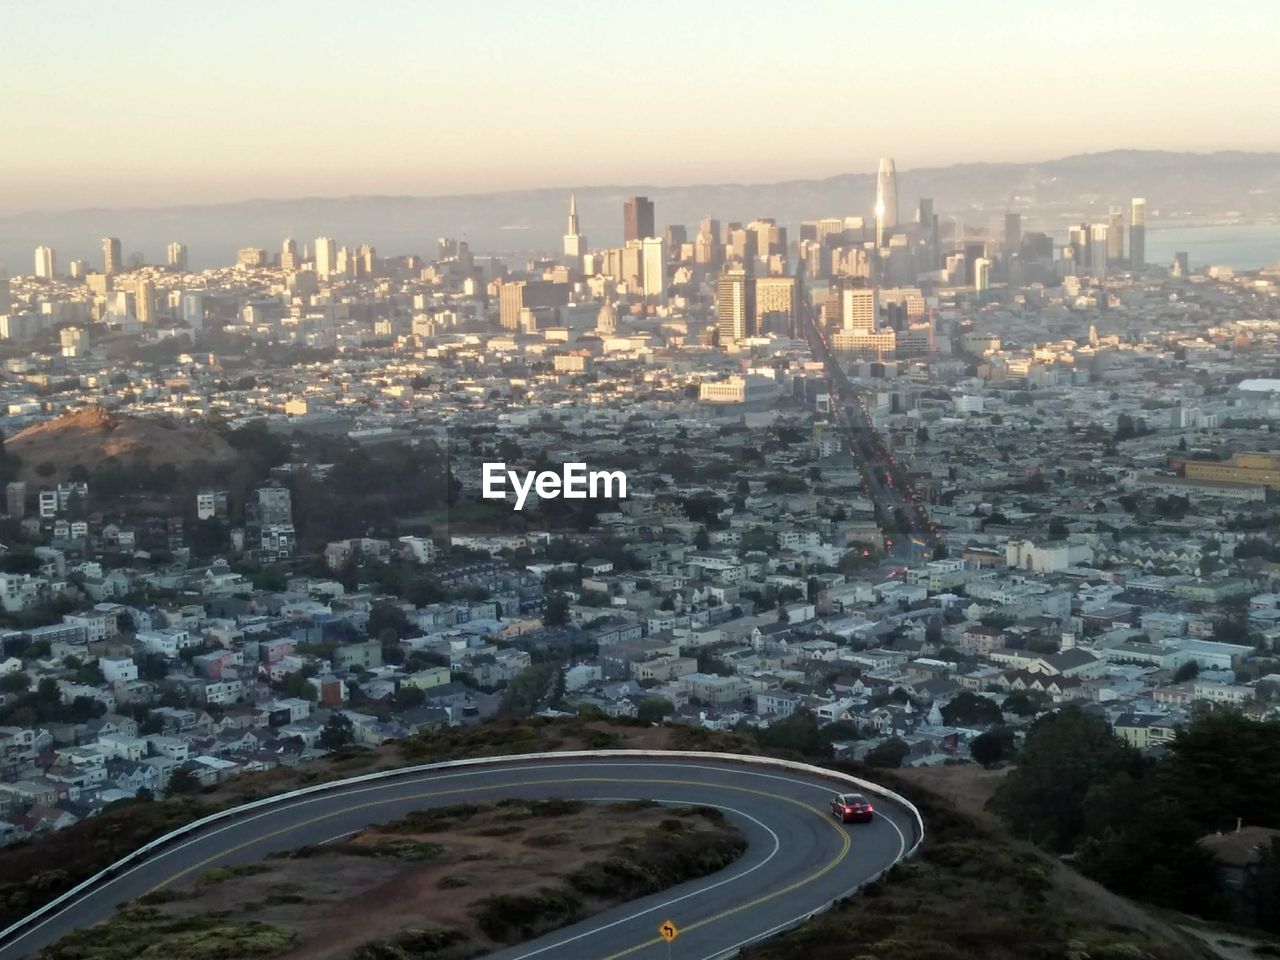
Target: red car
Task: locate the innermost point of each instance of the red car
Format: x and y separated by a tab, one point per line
852	808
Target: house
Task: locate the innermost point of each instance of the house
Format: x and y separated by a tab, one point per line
1145	731
776	703
1238	856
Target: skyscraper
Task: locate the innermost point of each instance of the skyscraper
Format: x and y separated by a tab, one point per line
886	200
326	257
575	244
637	219
289	254
1115	234
176	256
5	296
46	262
982	274
1138	233
112	259
929	224
1012	232
735	307
144	295
1098	250
655	270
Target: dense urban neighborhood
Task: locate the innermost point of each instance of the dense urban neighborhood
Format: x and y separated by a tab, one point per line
245	526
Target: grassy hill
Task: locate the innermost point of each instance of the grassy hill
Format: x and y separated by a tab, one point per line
973	893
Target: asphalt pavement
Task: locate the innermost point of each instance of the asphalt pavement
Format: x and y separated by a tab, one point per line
798	858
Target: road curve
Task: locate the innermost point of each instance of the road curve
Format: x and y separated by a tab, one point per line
798	860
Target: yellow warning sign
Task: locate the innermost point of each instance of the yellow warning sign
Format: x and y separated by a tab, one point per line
668	931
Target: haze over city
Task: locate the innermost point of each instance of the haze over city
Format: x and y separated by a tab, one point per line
143	104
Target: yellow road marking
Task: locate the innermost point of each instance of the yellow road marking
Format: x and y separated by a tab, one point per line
844	852
844	836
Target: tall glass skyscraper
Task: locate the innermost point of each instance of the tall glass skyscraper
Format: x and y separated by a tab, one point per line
1138	233
886	200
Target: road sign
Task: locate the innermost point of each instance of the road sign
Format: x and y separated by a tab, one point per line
668	931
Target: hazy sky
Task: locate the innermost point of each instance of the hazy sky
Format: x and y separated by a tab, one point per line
143	103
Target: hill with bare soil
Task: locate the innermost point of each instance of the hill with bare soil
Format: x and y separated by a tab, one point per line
50	452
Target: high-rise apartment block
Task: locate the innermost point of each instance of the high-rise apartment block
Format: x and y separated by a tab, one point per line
112	258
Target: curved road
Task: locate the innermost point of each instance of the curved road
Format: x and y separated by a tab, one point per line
798	859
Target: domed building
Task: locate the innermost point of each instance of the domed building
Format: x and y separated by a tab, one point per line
607	320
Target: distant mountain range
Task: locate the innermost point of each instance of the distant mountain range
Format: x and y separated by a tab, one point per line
1179	187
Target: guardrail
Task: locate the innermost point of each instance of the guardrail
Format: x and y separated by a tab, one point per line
56	905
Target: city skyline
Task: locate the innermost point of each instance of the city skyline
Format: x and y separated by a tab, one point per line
429	117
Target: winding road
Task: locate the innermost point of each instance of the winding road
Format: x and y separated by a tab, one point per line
798	860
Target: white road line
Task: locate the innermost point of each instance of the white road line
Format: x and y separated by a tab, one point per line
391	784
777	845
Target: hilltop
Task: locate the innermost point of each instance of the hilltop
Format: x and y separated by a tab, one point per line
973	892
85	438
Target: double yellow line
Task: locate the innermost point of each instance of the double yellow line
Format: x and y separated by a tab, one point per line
490	787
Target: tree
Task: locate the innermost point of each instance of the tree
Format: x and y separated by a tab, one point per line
992	747
1023	704
701	539
183	782
889	753
1188	671
654	709
409	696
556	613
388	616
798	732
15	683
970	709
338	732
526	691
1064	756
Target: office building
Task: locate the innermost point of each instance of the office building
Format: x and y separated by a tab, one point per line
982	274
776	306
1115	235
860	309
735	307
517	296
326	257
6	295
654	270
1012	233
637	219
575	244
46	263
289	259
886	200
1099	250
193	310
1138	233
112	259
